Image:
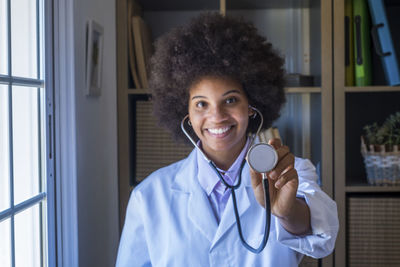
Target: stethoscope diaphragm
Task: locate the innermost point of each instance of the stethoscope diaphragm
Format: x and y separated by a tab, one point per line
262	157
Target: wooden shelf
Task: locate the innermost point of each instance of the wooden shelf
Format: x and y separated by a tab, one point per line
292	90
372	189
138	91
371	89
178	5
175	5
288	90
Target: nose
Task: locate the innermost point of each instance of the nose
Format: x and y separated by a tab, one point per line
218	113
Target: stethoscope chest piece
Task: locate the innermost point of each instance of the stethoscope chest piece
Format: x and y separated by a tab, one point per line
262	157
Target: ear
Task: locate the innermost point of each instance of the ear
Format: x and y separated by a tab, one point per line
252	112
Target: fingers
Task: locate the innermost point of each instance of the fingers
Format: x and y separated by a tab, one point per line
282	151
275	142
285	159
284	171
256	178
288	175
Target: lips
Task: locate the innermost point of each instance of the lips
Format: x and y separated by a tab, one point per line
219	131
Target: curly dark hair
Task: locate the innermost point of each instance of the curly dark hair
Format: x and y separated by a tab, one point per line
217	46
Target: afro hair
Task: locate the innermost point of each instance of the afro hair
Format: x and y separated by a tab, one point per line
214	45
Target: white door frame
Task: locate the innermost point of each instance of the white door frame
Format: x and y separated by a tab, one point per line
65	134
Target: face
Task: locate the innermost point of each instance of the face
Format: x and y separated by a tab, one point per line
219	113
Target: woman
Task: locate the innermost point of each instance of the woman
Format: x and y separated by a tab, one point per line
216	69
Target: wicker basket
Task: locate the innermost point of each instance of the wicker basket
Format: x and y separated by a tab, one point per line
382	168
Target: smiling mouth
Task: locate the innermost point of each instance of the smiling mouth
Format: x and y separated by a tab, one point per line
219	131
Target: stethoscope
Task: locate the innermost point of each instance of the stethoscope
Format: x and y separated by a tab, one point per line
262	158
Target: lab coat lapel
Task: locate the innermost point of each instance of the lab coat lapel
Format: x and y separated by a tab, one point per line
199	207
243	202
201	214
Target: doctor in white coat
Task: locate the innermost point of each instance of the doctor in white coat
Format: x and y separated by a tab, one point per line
182	215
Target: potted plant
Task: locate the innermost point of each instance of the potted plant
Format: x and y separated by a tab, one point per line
380	147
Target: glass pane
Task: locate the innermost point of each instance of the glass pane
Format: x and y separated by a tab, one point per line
3	38
42	140
27	238
23	38
41	40
5	243
26	159
4	149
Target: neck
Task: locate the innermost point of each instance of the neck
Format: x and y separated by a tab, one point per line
225	159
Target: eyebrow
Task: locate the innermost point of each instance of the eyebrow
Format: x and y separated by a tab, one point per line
225	94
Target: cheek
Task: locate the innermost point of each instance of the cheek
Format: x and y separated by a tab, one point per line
195	120
243	118
245	123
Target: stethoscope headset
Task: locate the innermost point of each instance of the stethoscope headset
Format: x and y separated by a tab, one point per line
262	158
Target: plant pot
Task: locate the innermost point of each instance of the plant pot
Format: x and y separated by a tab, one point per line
382	168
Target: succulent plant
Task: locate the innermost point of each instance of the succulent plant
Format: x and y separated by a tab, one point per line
388	134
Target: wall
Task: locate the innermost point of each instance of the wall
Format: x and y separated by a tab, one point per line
96	141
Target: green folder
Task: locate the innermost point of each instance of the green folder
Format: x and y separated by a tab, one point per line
349	43
362	40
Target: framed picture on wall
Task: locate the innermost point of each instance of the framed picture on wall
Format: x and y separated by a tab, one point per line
94	56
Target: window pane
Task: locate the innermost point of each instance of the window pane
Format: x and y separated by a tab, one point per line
41	40
4	150
27	238
23	38
26	159
3	38
5	243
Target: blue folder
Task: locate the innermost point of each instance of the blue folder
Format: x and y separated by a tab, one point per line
383	41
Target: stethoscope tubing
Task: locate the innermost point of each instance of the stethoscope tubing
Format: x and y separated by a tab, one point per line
267	203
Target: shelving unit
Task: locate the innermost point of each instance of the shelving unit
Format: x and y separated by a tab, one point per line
364	89
372	189
355	107
302	30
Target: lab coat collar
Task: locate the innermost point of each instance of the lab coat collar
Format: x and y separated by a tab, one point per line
199	207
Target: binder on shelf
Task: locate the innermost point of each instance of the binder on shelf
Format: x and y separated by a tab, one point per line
349	43
362	47
383	41
298	80
270	133
143	47
132	9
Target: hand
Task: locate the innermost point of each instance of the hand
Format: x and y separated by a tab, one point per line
283	182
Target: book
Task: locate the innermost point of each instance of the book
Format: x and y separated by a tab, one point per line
383	41
132	9
362	47
349	45
298	80
270	133
143	47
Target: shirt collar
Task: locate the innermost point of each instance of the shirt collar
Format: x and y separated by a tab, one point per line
208	179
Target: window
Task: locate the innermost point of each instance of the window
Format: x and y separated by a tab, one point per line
26	194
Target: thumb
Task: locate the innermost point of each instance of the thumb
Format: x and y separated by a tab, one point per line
256	178
275	142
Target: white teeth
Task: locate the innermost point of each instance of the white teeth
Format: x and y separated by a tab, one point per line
219	130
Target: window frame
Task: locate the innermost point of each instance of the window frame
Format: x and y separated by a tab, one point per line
65	133
45	198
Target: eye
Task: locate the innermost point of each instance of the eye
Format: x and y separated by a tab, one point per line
201	104
230	100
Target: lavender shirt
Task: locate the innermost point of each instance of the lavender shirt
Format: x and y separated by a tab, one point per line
218	194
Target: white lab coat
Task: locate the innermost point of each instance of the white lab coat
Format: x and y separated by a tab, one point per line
170	222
